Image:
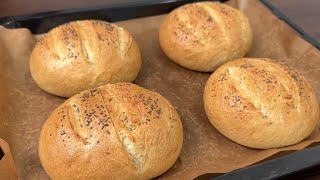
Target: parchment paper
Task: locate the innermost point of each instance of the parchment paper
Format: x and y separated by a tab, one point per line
7	168
24	107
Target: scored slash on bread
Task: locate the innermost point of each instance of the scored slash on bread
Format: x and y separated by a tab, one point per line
116	131
260	103
84	54
202	36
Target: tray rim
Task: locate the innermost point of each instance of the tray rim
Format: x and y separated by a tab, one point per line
67	11
13	22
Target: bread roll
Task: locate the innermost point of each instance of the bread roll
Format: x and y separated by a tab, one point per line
82	55
260	103
201	36
116	131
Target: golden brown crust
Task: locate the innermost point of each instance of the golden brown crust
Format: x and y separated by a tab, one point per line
260	103
84	54
202	36
116	131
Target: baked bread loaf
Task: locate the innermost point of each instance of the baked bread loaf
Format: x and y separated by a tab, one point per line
260	103
84	54
116	131
201	36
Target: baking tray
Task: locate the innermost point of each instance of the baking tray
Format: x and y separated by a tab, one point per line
42	22
299	164
1	153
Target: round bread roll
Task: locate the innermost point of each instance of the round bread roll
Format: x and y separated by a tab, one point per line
116	131
84	54
260	104
201	36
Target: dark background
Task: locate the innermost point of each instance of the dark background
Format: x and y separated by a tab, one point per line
306	14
